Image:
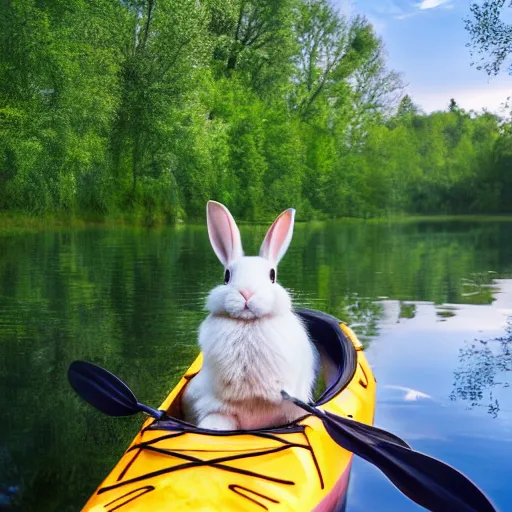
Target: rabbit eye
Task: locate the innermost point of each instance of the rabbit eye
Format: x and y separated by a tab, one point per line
227	276
273	275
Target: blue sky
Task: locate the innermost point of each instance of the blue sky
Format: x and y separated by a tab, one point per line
425	41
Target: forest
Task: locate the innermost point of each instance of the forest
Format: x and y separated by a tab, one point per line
145	109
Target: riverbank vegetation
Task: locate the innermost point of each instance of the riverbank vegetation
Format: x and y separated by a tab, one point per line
145	109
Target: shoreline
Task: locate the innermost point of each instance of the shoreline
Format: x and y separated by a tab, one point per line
12	223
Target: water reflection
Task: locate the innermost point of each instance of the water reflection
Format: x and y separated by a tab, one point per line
444	312
416	361
478	288
407	311
131	300
481	375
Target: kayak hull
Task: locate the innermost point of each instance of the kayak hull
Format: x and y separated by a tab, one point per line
297	467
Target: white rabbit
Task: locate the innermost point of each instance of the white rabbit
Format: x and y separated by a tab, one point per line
253	344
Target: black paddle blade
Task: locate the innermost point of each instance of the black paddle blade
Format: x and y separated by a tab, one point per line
427	481
104	391
374	433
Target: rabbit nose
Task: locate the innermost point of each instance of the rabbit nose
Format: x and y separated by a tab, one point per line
246	293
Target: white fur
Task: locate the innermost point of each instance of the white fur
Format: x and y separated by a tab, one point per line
251	349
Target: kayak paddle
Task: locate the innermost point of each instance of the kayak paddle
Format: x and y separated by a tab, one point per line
106	392
427	481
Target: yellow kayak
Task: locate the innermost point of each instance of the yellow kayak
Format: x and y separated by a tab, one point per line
171	465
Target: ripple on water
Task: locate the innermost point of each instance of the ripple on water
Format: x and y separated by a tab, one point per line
432	317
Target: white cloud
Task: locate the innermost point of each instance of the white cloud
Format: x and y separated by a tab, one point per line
489	96
423	6
382	10
431	4
406	15
410	394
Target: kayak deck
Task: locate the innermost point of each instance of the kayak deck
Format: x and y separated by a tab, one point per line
172	465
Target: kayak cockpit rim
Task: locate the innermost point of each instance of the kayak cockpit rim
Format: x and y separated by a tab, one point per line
339	363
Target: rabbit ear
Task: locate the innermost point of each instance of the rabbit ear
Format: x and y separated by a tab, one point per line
278	237
223	232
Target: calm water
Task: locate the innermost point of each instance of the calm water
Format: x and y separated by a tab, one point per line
431	301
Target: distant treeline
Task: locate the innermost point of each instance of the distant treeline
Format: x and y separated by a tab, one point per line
149	108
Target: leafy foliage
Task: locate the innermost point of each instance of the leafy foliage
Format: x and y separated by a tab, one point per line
490	34
148	108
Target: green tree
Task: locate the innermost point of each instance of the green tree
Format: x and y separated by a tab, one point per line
331	49
165	53
490	35
148	108
58	95
253	38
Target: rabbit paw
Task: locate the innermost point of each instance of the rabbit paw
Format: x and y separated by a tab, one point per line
218	421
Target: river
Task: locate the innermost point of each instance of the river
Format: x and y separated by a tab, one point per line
431	300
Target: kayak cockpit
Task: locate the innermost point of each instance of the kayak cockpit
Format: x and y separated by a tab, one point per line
337	352
338	358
